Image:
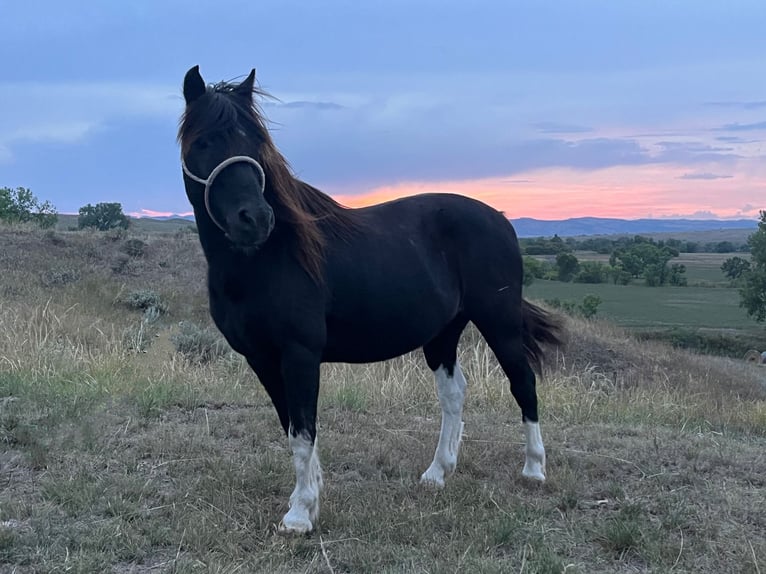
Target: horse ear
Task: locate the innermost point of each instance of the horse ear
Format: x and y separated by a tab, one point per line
194	85
246	87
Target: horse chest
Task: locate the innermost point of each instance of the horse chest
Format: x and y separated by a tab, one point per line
242	323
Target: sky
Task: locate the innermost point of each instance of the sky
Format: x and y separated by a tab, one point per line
545	109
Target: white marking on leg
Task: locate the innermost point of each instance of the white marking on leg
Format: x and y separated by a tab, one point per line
534	460
304	501
451	393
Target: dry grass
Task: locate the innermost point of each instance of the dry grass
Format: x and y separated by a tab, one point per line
115	458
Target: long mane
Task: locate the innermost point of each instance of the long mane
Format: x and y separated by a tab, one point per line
310	215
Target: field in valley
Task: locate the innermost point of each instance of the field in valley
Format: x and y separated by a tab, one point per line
121	451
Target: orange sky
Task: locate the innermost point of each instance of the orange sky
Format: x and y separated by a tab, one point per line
626	192
629	192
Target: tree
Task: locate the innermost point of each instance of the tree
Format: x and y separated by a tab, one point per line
567	266
592	272
753	290
533	269
735	267
21	206
648	259
102	216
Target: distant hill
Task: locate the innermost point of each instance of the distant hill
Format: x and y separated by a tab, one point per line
143	224
579	226
529	227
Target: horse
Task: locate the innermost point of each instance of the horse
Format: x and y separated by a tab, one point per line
296	279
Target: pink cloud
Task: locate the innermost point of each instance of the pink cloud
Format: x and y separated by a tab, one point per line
623	191
153	213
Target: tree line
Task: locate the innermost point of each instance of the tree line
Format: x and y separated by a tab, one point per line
631	259
605	246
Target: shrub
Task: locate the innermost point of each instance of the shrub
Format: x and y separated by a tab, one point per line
54	238
123	265
199	345
587	308
59	277
145	300
134	247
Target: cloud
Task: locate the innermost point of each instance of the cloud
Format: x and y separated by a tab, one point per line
65	132
302	104
693	152
560	128
738	127
80	110
744	105
703	175
152	213
735	140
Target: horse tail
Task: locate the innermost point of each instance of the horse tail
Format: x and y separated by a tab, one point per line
539	327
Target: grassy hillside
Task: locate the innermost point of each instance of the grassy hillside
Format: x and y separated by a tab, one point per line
138	224
124	449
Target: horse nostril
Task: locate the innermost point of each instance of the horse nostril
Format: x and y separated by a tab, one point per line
271	219
245	217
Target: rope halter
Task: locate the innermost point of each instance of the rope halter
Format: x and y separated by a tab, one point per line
208	183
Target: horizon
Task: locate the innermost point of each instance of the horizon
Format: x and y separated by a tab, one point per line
551	112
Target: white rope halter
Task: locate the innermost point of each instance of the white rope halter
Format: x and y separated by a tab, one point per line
208	183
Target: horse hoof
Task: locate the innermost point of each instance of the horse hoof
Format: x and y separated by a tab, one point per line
534	474
431	480
295	526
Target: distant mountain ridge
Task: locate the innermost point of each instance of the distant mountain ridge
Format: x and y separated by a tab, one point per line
577	226
528	227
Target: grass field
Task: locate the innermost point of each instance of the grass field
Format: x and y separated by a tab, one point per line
639	306
123	457
702	269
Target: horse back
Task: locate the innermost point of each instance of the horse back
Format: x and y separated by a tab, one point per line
410	269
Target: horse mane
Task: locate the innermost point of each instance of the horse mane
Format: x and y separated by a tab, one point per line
309	214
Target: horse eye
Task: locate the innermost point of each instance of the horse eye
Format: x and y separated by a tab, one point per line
201	144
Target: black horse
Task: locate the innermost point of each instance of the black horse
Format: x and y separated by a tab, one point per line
295	279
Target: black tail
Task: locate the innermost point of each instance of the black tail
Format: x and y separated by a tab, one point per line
539	327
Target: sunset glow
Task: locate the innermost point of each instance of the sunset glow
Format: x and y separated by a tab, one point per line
629	192
152	213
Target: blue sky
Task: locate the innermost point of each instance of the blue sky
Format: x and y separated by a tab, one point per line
544	109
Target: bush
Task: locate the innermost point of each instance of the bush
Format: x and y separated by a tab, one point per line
199	345
587	308
54	238
123	265
145	300
59	277
134	247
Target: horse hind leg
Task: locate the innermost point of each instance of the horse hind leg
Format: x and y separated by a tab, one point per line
507	345
441	356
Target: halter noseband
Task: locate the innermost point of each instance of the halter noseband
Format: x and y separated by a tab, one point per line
208	183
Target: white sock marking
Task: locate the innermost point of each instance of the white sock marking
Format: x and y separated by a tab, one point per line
451	393
304	501
534	460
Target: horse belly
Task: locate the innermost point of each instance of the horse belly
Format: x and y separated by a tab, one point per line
384	334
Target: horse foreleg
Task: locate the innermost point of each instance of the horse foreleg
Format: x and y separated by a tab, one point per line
300	370
450	387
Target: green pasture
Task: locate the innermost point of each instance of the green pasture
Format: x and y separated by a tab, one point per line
637	306
703	269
